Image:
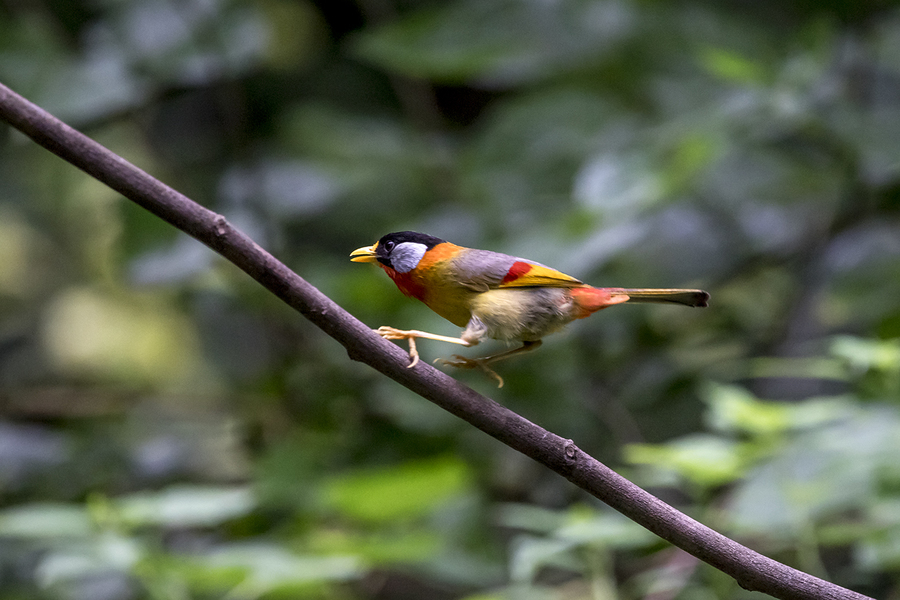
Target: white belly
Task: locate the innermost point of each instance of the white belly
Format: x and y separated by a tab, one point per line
523	314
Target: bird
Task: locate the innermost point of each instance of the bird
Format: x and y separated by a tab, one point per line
493	295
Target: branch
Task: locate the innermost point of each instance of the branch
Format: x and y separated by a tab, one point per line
752	570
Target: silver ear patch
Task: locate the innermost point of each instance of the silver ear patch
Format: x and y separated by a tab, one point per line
405	256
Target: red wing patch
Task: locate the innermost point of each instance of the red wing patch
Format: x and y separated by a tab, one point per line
518	269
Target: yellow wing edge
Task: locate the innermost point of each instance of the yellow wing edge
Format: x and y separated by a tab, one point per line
524	274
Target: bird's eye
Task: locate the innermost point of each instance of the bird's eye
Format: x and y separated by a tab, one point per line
389	246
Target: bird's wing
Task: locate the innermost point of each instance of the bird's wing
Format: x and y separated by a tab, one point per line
483	270
529	274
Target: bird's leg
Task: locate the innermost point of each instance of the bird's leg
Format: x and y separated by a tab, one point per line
461	362
391	333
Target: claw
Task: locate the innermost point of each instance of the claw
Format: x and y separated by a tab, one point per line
461	362
413	353
390	333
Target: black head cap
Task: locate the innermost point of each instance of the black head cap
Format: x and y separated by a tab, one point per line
390	241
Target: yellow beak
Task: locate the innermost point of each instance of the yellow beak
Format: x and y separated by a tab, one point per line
364	254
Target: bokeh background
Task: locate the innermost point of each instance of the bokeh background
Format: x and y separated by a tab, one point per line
168	430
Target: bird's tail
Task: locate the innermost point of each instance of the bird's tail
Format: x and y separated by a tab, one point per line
589	300
696	298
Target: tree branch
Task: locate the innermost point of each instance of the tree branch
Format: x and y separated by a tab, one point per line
752	570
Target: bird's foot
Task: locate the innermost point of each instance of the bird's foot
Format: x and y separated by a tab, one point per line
461	362
392	333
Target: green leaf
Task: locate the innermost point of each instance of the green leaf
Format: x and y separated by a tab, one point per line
501	42
864	354
400	492
530	554
45	521
734	409
267	568
187	506
704	460
392	545
604	528
102	554
821	473
527	517
732	66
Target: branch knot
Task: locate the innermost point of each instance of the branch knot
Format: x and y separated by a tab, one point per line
220	225
571	450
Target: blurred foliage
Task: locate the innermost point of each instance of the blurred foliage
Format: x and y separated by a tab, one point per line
169	430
